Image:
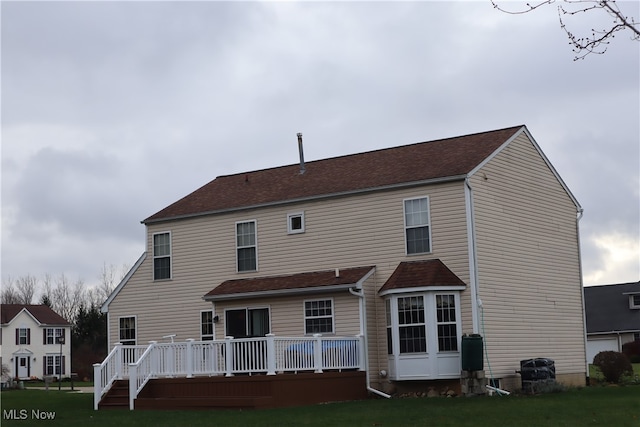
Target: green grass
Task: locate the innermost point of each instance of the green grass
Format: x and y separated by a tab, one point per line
604	406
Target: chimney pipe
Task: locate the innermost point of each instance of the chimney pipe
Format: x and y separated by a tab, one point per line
302	168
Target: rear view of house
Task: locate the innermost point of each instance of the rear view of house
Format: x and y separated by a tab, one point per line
395	254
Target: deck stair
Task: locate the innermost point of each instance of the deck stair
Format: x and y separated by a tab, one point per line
117	397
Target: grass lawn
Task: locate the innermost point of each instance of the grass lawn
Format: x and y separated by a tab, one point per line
604	406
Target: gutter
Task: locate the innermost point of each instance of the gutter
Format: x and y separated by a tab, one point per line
472	250
580	213
363	330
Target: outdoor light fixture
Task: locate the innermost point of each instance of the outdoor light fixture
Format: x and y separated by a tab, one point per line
61	342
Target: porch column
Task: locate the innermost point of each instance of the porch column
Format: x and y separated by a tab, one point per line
228	357
317	353
154	359
190	357
133	384
118	361
271	354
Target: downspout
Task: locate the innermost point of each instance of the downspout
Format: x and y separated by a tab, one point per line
363	331
473	262
584	314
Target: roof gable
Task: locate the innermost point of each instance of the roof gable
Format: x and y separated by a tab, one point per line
316	281
421	274
415	163
40	313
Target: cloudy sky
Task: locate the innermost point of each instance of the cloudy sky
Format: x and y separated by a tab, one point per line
113	110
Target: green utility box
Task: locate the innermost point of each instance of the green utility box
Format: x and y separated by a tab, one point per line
472	356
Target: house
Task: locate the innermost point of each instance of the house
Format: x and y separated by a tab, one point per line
613	316
36	341
410	247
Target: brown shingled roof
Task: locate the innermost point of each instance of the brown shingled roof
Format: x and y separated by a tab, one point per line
357	172
417	274
292	282
41	313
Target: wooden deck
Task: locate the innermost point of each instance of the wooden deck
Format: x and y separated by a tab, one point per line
242	391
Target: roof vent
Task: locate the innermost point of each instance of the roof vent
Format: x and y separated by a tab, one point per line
302	168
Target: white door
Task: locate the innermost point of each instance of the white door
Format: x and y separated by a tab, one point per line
23	366
595	346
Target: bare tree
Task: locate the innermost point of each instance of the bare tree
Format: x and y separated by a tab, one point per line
26	288
599	39
66	298
9	295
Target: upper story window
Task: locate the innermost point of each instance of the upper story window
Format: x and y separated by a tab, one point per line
634	301
52	335
318	317
23	336
162	256
127	330
247	247
295	223
417	226
206	325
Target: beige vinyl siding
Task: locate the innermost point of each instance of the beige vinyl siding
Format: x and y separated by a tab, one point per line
528	263
342	232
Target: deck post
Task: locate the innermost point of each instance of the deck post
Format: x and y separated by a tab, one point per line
119	360
317	353
190	357
271	354
228	357
133	384
361	352
97	385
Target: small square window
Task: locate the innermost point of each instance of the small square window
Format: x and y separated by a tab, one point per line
295	223
634	301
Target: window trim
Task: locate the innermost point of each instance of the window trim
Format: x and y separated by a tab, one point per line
135	329
61	363
207	337
154	256
406	227
454	322
305	317
53	335
632	303
290	217
27	335
255	245
424	324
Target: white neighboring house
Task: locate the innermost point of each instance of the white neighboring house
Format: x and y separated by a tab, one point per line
31	341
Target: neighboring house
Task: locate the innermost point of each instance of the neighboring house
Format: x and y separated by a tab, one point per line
411	246
613	317
30	339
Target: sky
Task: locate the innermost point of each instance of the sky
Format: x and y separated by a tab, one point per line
112	111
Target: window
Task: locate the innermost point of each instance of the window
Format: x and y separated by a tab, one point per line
318	317
54	365
634	301
446	321
295	223
128	330
206	325
51	335
161	256
387	304
247	322
417	226
23	336
412	327
246	246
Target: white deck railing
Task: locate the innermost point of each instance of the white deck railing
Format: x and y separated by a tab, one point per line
267	355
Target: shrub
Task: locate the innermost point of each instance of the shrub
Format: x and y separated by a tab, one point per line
613	365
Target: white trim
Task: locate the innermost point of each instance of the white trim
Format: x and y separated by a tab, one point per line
135	319
632	304
304	316
422	289
292	215
428	225
255	245
105	306
213	324
153	256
